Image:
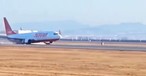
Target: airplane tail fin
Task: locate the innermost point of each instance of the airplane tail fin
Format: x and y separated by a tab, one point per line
8	29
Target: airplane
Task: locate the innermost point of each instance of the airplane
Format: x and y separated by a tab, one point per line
47	37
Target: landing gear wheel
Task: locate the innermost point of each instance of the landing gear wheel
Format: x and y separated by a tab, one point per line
48	43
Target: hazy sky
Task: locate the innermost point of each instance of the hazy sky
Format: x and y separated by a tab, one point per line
91	12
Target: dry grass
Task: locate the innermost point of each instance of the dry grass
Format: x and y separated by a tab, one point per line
23	61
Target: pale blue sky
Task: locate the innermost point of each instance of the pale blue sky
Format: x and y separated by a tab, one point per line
91	12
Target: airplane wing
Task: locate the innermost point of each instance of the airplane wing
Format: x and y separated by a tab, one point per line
3	37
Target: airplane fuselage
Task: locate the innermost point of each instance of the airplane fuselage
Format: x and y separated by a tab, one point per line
35	37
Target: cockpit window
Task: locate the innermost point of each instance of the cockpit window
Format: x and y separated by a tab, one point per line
55	33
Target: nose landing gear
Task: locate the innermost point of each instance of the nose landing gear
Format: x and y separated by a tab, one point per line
48	43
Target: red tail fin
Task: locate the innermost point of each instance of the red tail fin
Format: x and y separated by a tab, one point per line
8	29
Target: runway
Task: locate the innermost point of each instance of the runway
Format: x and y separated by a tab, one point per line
110	46
119	48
